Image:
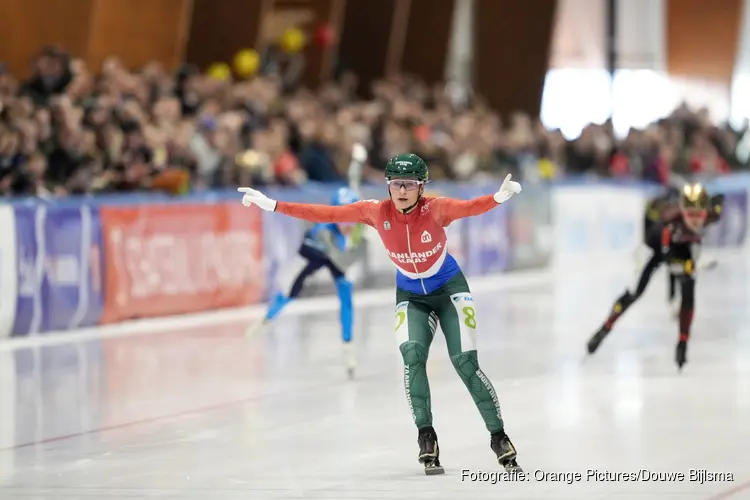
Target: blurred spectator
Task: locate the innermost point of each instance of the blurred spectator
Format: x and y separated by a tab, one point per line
51	73
66	130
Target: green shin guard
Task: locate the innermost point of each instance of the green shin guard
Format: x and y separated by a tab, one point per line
415	382
481	389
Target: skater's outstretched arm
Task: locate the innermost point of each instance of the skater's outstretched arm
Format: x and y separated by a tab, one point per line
361	211
449	209
364	212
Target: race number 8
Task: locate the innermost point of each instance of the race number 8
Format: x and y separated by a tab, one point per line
471	318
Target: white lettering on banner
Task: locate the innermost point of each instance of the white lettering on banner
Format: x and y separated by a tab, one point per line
8	270
62	270
26	276
177	264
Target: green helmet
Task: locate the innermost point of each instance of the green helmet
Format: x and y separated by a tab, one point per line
406	165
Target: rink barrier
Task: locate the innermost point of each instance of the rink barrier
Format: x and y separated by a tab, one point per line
79	262
8	273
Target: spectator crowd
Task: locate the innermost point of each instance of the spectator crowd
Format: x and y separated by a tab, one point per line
70	129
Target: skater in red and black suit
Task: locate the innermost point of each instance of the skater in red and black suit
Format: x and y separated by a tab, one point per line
658	210
674	240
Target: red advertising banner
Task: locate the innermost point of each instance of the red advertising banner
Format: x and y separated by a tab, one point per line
175	259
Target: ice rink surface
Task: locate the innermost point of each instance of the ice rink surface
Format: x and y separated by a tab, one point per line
190	409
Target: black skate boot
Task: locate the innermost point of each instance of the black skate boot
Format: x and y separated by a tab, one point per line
597	339
680	354
622	305
505	451
429	453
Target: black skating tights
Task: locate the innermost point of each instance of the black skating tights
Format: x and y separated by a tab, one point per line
687	288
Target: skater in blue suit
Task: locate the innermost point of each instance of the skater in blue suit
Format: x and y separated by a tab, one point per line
325	246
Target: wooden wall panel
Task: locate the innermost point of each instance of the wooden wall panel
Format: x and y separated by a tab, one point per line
428	38
218	29
511	52
28	25
139	31
365	37
703	38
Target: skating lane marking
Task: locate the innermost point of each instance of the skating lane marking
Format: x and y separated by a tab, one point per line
723	495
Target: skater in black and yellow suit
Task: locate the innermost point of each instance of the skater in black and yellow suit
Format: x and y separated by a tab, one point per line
675	241
659	209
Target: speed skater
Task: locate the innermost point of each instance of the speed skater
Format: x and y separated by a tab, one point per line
430	289
659	209
674	240
324	245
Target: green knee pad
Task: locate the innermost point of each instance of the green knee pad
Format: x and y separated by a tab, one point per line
481	389
415	382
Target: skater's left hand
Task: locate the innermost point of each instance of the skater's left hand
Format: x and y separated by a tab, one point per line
508	189
253	197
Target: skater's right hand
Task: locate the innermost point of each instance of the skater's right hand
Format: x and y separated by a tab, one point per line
359	153
253	197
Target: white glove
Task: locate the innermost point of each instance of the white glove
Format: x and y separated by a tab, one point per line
253	197
359	153
508	189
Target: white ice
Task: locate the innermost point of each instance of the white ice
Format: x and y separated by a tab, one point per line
192	410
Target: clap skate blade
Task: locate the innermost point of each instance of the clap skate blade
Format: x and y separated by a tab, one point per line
433	468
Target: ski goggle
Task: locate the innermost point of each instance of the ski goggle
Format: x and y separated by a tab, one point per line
407	184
